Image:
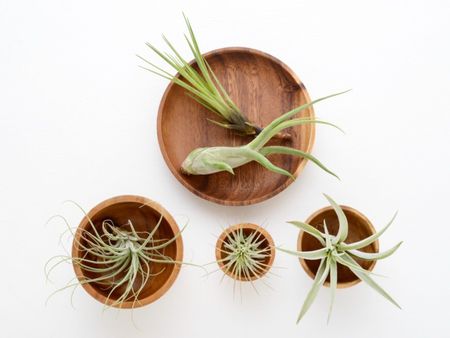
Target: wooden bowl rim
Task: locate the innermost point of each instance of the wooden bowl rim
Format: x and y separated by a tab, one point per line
178	245
367	223
288	180
249	226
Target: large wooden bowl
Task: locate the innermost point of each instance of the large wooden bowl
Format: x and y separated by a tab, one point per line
263	88
144	214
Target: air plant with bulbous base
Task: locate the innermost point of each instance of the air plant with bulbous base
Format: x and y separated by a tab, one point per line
210	160
336	251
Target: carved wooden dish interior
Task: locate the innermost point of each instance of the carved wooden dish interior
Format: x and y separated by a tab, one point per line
263	88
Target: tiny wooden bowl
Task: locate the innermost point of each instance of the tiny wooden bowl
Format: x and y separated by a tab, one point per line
263	88
247	228
144	213
359	227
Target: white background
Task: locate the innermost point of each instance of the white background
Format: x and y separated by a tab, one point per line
78	119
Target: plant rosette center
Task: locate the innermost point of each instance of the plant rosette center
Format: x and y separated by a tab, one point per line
245	252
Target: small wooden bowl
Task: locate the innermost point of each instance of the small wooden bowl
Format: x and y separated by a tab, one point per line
359	227
144	213
263	88
247	228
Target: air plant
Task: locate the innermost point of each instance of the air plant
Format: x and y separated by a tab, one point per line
117	258
336	251
210	160
244	253
202	84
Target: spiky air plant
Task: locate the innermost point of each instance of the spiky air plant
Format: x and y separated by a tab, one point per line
210	160
336	251
116	258
202	84
245	252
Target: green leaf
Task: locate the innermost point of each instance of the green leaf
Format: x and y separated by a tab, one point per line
354	266
309	255
255	156
368	240
374	256
270	131
328	238
310	230
265	134
368	280
333	285
222	166
295	152
321	276
343	223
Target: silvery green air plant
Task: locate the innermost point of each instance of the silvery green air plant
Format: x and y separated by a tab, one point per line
336	251
202	84
210	160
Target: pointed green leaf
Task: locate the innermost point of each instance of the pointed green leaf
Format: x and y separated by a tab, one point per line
309	255
374	256
333	285
255	156
368	240
343	223
310	230
328	239
368	280
295	152
321	276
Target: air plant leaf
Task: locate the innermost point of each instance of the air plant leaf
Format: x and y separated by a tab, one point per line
197	162
333	252
353	266
367	241
364	276
333	285
343	223
309	255
310	230
328	237
253	155
295	152
321	276
221	166
374	256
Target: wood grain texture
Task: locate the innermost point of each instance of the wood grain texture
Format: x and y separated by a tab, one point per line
359	227
120	209
263	88
248	228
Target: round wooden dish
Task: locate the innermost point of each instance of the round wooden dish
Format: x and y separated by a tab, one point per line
248	228
263	88
359	227
144	214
